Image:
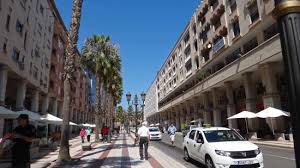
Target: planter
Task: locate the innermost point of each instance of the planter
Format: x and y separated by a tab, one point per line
279	137
252	135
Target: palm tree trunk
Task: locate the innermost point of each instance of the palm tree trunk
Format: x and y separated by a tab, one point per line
69	68
64	154
98	109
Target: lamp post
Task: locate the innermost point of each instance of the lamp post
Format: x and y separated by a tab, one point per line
287	13
136	103
128	97
143	96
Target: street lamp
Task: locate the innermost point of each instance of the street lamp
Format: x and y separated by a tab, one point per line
143	96
287	13
128	97
136	103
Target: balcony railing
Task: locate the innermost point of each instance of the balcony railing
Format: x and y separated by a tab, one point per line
218	45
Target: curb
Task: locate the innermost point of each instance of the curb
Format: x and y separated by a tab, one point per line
274	145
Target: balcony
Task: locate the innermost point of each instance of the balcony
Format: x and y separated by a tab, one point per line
187	58
188	73
218	45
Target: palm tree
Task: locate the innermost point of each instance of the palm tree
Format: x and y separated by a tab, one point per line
69	69
96	59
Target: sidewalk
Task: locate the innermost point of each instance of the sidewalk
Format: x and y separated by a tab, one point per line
46	160
280	144
121	152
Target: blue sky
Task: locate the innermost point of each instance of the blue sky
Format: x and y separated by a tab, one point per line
146	31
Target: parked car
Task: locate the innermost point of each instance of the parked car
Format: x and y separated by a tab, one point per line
155	133
219	147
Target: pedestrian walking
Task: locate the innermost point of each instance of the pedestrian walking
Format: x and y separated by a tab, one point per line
144	136
172	131
104	132
82	134
22	136
88	134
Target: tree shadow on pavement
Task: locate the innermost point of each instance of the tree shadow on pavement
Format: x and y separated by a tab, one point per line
112	162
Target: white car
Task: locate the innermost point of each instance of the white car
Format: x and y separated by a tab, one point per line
219	147
155	133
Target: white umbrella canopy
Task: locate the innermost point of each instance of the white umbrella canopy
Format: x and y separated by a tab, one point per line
243	114
51	119
71	123
92	125
6	113
272	112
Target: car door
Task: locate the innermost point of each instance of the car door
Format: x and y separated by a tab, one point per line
199	148
191	141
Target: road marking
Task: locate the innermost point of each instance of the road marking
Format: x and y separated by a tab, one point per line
266	154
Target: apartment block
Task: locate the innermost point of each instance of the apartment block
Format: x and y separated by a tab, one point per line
227	59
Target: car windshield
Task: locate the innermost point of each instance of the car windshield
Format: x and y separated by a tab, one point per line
153	129
222	135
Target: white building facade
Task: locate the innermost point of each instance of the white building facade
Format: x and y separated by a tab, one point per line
227	59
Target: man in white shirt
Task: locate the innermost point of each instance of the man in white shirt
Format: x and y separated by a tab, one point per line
144	136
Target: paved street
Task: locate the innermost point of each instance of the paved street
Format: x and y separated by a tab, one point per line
273	157
122	153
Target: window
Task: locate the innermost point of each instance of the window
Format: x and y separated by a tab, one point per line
236	28
199	136
217	24
16	54
253	11
42	9
188	65
35	72
7	22
232	5
214	4
186	39
19	27
187	52
194	29
196	45
222	136
25	40
270	31
250	45
5	45
192	134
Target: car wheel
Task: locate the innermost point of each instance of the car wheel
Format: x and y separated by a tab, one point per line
186	155
209	163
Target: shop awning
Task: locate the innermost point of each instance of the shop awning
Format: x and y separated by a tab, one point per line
6	113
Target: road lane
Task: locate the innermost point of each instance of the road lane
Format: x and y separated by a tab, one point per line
273	157
278	157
